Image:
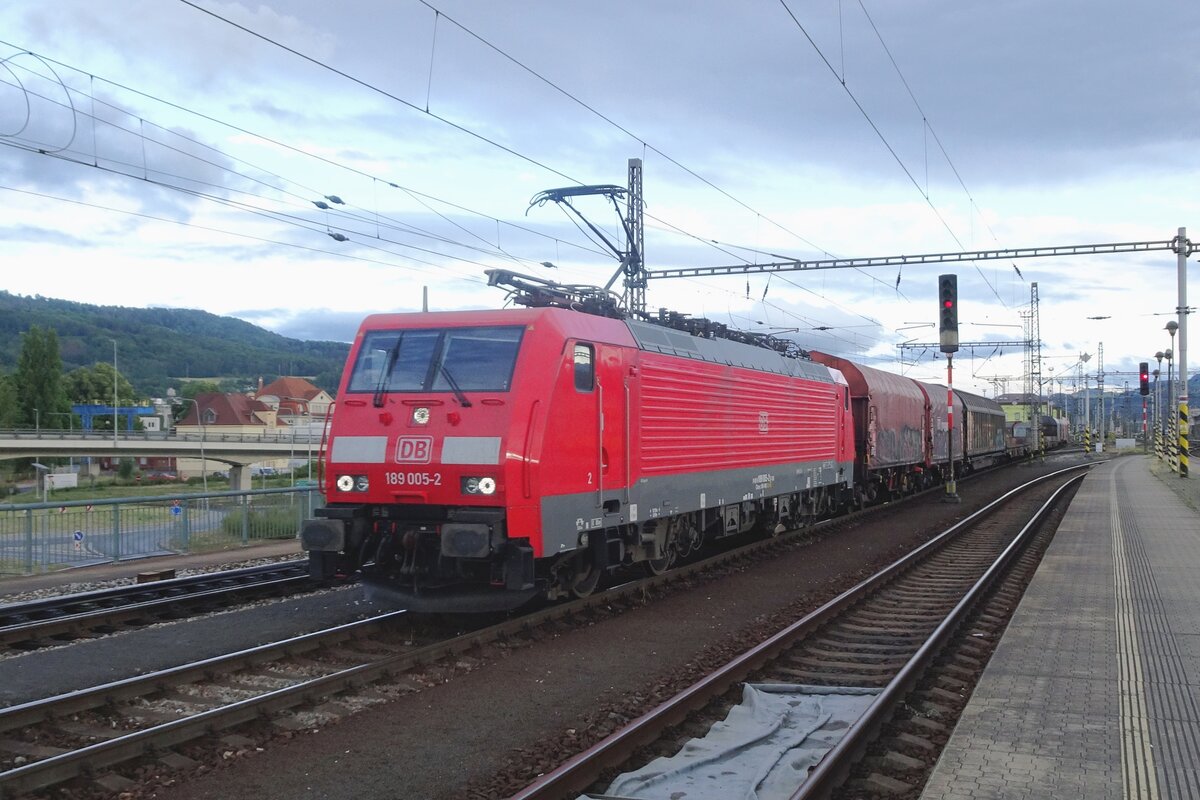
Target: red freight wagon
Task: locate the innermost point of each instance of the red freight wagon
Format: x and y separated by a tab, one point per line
891	420
479	458
939	424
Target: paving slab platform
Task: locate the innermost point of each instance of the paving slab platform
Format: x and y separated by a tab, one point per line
1094	689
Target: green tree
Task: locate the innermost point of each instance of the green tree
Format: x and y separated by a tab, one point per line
94	384
38	377
9	411
193	388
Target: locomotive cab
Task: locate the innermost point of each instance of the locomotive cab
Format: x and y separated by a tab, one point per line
415	476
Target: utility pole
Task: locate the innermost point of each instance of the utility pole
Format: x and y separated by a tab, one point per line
634	262
1035	370
1183	246
1100	389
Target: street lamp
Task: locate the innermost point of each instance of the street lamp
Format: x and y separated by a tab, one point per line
308	434
200	422
1087	396
1158	400
114	341
1171	327
1169	409
44	473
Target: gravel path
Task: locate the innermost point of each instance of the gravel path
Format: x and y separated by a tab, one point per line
499	709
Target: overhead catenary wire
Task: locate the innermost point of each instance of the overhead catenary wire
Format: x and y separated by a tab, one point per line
879	133
928	126
371	87
302	200
291	148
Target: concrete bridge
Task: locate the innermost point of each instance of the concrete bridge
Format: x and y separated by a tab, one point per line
236	450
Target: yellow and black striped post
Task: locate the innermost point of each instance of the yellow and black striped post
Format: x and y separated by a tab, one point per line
1172	440
1183	439
1087	441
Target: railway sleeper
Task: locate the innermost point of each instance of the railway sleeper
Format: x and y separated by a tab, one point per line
894	760
936	711
835	678
959	671
849	666
885	617
85	731
951	684
881	658
927	726
30	749
888	633
871	645
877	783
920	742
900	597
940	695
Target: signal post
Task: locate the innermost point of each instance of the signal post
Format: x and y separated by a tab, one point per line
948	333
1144	388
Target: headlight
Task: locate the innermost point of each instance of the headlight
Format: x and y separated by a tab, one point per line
353	483
420	416
478	485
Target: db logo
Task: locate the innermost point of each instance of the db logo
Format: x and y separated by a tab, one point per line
414	449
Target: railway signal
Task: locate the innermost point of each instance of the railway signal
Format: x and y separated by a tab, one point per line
948	312
1144	377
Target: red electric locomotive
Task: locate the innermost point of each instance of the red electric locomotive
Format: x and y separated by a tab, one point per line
479	458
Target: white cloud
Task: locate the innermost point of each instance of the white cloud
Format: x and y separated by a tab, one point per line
1065	132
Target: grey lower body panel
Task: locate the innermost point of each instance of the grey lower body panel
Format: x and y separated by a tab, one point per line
565	517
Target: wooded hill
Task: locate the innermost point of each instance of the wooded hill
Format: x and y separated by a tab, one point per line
157	347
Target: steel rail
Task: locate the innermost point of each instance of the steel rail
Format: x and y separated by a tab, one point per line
53	616
63	767
45	628
577	773
53	604
828	774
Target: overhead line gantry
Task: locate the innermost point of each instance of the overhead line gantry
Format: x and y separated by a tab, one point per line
796	265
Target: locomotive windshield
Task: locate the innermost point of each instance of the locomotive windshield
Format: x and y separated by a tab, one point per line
437	360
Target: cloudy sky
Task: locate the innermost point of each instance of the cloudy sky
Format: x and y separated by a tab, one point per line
170	153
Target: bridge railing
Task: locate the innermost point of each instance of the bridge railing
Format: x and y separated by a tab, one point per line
211	435
44	537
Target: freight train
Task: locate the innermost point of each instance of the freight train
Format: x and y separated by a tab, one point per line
478	459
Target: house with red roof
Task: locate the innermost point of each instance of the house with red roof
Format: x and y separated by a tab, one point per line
295	399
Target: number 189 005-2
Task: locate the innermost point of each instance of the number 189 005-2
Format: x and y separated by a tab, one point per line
413	478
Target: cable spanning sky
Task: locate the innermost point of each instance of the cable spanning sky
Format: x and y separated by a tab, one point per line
299	165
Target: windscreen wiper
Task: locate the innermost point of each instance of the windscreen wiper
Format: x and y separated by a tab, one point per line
386	376
458	393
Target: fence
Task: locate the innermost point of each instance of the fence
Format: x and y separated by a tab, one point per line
43	537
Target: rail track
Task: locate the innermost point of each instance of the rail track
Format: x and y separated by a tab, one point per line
103	733
54	620
881	635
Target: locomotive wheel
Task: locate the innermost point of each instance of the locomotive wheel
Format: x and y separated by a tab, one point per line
657	566
585	576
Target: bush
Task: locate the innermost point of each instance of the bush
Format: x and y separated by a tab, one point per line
267	523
